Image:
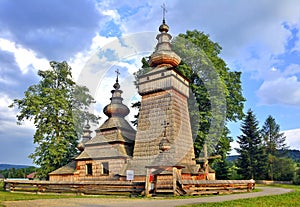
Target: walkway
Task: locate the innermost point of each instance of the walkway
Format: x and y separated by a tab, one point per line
126	202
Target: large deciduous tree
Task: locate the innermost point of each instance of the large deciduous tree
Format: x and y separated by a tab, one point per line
58	108
252	160
215	90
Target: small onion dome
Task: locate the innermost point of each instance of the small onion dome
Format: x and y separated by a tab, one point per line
87	126
116	109
80	146
164	144
164	57
116	86
163	27
163	54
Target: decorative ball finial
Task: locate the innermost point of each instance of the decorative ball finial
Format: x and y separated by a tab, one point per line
117	85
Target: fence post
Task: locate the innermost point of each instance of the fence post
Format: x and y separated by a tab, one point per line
147	183
174	180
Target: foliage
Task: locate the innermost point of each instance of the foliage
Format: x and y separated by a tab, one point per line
222	167
217	90
252	159
274	143
283	169
273	139
57	107
296	179
17	173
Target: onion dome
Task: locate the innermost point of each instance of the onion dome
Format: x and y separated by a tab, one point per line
163	54
80	146
163	27
116	107
85	137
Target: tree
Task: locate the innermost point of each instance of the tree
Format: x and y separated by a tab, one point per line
57	107
274	142
273	139
252	160
216	89
284	169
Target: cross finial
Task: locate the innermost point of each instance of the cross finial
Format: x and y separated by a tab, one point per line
165	125
164	12
118	73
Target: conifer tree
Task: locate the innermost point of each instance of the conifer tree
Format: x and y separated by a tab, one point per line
274	142
251	162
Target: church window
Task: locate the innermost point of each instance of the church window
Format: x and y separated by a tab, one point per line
105	168
162	74
89	169
148	78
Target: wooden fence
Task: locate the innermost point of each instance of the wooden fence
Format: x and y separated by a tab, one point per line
171	183
206	187
92	187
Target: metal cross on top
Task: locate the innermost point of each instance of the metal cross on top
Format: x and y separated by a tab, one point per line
118	73
164	11
206	159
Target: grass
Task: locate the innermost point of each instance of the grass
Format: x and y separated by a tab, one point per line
285	200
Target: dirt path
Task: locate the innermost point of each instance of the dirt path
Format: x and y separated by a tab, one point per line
126	202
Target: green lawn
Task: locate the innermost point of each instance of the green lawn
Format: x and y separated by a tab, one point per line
285	200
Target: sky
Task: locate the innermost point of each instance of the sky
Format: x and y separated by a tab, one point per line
260	38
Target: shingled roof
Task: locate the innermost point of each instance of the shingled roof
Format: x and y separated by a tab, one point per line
67	169
115	137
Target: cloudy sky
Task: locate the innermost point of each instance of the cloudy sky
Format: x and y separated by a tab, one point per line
260	38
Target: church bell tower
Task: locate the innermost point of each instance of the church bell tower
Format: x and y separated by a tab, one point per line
164	136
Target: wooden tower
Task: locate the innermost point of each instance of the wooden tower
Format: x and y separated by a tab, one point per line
164	136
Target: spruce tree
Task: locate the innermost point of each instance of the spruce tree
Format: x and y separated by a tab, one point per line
251	162
274	144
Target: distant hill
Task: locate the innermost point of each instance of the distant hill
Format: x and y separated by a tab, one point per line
293	154
232	158
9	166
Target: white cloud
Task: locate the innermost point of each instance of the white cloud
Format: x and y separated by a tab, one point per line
8	116
234	145
280	91
293	138
113	14
78	61
25	58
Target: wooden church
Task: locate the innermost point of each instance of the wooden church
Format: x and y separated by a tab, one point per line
163	139
158	157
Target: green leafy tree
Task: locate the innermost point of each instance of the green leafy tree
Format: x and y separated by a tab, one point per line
57	107
284	169
296	179
252	160
217	90
274	143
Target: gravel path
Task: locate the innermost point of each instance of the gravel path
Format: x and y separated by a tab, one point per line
126	202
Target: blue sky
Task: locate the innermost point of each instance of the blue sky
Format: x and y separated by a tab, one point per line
260	38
